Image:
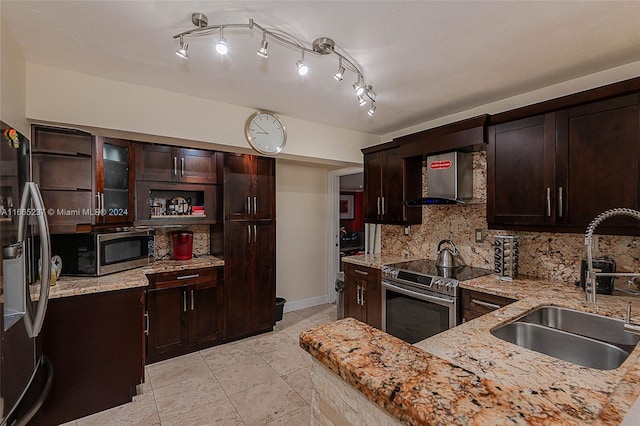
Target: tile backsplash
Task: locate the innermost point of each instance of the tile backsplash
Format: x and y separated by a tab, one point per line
200	241
546	255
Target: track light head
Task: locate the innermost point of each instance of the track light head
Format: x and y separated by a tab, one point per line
340	74
361	101
372	110
182	52
263	48
221	46
303	69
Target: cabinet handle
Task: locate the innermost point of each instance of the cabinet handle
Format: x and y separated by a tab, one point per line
101	202
146	327
184	301
182	166
249	229
383	207
358	271
378	202
98	200
485	304
548	201
255	234
255	205
186	277
175	166
560	201
358	295
192	299
362	296
248	205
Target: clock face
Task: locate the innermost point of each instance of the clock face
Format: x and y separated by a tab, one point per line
265	133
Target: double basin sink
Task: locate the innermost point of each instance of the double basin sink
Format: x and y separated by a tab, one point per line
581	338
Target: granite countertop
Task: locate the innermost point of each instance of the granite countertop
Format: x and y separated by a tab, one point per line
74	286
467	376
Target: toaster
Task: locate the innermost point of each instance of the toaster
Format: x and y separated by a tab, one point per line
604	285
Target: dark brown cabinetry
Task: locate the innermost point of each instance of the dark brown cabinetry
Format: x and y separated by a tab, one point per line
114	182
184	311
475	303
63	168
246	240
162	163
86	181
95	343
363	294
389	181
249	187
559	170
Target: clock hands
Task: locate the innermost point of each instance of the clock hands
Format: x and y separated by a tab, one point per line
263	132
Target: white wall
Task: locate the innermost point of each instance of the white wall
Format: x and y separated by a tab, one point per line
61	96
12	82
587	82
301	234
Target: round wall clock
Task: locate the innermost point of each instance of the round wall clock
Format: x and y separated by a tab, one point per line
265	132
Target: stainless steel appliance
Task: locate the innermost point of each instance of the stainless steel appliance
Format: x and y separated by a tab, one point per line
449	179
97	254
506	249
25	374
419	300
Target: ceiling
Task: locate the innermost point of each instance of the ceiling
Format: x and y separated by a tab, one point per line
425	59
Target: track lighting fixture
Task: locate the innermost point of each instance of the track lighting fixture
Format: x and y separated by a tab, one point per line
221	45
303	69
182	52
320	47
263	46
340	74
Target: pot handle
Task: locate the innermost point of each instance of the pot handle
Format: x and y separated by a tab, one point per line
455	249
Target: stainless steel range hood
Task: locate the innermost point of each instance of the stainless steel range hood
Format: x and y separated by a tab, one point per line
449	179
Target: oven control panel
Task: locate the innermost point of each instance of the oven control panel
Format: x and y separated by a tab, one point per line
442	285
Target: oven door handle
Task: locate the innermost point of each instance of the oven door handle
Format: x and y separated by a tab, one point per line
426	297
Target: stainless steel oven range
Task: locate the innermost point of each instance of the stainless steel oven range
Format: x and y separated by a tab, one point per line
420	300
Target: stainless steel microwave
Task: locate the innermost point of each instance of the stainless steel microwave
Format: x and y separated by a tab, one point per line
97	254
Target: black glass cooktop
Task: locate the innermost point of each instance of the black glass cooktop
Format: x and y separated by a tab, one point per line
428	267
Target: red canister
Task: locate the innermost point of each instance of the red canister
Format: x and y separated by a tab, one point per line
182	244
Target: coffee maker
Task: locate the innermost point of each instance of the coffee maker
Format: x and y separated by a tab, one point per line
604	285
182	242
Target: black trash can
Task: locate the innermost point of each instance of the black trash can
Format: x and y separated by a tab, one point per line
280	301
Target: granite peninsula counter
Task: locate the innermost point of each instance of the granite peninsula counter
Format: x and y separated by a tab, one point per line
466	375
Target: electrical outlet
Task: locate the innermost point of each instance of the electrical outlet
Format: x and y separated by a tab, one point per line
407	229
479	236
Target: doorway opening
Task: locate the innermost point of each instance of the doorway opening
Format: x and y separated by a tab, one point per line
346	220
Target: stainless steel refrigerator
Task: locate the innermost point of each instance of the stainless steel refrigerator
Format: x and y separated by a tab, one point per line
25	374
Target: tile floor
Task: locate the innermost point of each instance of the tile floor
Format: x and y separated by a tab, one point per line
261	380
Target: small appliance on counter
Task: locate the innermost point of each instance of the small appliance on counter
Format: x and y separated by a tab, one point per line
182	243
506	256
604	285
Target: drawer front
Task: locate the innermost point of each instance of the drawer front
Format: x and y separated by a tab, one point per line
202	278
372	275
483	303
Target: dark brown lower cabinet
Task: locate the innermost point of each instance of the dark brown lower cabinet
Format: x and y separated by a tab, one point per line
250	283
475	303
95	343
363	294
184	312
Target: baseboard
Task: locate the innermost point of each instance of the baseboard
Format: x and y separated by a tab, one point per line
305	303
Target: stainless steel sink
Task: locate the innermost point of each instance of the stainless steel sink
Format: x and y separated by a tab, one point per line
582	338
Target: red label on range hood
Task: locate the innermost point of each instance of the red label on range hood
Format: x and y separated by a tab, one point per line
440	165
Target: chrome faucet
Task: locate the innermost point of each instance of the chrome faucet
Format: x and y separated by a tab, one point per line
590	282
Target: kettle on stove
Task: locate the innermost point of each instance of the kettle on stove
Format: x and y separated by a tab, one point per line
448	258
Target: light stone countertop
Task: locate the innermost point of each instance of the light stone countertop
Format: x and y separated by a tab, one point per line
74	286
467	376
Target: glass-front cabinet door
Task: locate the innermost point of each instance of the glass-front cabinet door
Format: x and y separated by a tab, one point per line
114	181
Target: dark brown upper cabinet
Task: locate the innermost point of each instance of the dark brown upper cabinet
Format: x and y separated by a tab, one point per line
163	163
557	171
249	187
389	181
114	183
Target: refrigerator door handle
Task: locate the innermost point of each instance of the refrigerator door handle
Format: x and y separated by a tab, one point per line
33	322
44	363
